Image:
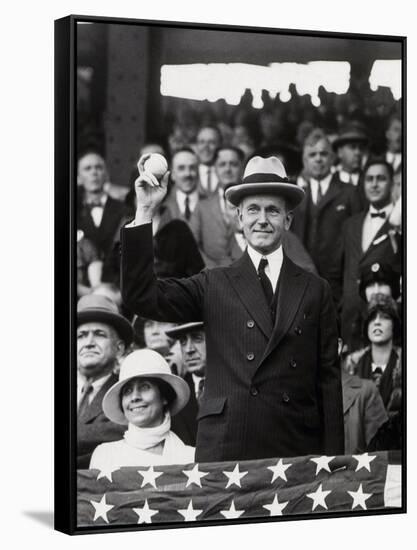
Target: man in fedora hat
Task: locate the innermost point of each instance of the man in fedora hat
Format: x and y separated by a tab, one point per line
192	340
350	146
272	382
102	337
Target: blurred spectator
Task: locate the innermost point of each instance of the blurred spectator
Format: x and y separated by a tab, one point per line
89	266
393	136
208	140
192	340
185	192
99	215
102	338
351	149
368	239
380	361
328	203
211	224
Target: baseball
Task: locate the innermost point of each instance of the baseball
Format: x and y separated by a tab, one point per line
156	165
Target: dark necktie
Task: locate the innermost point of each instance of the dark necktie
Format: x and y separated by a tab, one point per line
84	403
187	210
319	193
378	215
200	389
209	179
265	282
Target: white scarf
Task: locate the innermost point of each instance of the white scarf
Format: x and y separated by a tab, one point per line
145	438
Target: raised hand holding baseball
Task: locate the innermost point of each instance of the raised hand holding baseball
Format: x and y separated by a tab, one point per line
150	191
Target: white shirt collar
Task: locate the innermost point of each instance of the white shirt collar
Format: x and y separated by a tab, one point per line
193	199
324	185
275	260
97	385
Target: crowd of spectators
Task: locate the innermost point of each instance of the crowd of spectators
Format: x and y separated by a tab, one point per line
346	154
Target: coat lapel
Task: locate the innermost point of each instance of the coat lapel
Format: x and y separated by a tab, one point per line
350	385
332	192
244	279
96	406
379	238
292	285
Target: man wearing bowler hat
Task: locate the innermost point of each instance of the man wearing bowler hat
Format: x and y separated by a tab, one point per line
192	340
102	337
272	382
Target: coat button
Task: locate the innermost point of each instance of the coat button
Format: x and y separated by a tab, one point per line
250	323
297	331
254	391
250	356
293	363
285	397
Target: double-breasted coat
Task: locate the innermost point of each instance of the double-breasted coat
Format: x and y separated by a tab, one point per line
270	391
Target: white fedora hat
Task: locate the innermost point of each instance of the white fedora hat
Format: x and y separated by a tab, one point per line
144	363
266	176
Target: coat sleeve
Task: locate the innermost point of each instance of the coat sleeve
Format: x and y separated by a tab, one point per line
173	300
330	386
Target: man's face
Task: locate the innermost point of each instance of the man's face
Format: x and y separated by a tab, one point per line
155	337
92	173
207	143
185	172
377	288
98	348
377	185
228	167
317	159
380	329
264	219
393	135
351	155
193	347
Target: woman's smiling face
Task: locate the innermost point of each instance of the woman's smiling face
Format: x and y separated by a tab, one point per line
142	403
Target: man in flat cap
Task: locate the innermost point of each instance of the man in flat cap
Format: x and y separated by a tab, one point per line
192	340
102	337
272	385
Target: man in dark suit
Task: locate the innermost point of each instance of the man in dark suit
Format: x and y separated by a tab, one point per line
185	193
99	216
327	204
272	386
368	239
102	337
208	140
192	340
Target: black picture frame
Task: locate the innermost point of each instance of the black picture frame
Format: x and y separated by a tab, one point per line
65	276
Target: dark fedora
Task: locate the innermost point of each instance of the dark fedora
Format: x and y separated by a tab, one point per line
94	308
379	273
266	176
176	332
351	133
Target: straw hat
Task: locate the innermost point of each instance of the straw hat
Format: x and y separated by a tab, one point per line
265	176
144	363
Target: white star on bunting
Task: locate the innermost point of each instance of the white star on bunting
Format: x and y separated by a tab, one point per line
275	508
359	497
278	470
101	508
232	513
364	461
322	463
107	472
194	476
234	477
149	476
189	513
145	513
319	497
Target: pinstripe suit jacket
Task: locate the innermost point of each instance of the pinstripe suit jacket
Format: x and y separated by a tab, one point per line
270	391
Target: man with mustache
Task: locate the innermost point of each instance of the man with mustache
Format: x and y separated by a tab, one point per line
272	380
185	193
